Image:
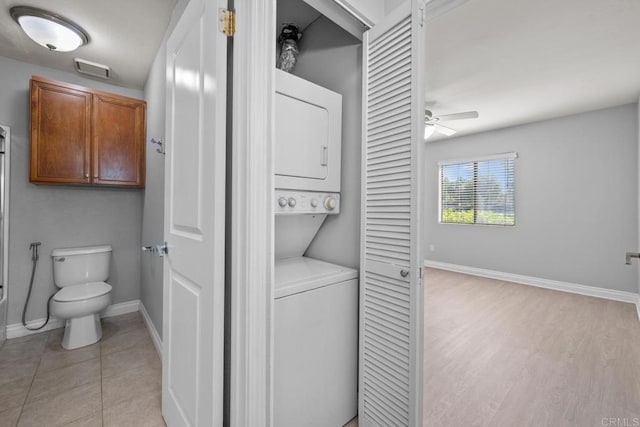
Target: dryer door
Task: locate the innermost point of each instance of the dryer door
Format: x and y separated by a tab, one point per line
303	142
308	135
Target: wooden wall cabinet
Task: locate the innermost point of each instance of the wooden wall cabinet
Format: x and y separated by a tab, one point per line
84	136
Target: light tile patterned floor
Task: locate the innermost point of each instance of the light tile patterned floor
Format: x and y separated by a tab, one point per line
115	382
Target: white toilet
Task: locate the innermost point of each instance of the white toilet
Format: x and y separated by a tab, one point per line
80	273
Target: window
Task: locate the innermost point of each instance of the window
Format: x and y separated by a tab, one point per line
478	191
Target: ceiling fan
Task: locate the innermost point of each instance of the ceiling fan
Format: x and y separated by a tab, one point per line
432	123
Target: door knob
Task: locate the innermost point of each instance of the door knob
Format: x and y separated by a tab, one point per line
631	255
162	249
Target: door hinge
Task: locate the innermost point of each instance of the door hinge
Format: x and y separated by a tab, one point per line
227	20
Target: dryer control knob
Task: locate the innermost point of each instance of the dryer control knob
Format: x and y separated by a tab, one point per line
282	202
292	201
330	203
314	203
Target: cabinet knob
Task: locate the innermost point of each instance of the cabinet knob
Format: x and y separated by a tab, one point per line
86	175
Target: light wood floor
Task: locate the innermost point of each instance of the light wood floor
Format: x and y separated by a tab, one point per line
503	354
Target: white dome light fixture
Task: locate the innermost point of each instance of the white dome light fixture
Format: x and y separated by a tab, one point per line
48	29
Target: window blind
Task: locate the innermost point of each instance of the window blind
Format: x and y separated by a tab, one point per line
478	191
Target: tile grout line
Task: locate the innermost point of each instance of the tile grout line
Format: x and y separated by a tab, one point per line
33	378
40	361
36	372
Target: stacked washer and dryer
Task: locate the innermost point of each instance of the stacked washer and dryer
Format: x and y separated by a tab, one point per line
316	302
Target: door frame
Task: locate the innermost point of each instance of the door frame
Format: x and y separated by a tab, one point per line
4	298
252	276
638	163
252	227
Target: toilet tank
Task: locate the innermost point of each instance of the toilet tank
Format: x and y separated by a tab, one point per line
74	266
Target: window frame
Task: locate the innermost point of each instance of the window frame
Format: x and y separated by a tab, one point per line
501	156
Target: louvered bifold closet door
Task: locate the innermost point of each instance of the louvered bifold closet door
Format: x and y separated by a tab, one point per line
390	392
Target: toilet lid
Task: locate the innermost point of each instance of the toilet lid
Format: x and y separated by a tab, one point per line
82	292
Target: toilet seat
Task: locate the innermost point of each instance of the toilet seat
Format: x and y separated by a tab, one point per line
82	292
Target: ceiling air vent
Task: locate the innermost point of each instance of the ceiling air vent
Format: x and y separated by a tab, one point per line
92	68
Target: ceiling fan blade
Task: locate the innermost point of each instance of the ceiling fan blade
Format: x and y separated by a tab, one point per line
444	130
428	130
459	116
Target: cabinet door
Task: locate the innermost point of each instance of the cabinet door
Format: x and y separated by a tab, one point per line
118	141
60	134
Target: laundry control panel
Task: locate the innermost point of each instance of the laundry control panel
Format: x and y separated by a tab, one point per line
306	202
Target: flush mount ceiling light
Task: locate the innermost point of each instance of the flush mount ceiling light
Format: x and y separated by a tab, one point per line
48	29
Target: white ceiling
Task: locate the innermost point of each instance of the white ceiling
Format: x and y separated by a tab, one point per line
519	61
514	61
124	34
295	12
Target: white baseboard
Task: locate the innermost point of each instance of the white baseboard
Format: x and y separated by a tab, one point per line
16	330
573	288
121	308
155	337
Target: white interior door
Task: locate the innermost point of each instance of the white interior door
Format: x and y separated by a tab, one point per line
193	332
391	294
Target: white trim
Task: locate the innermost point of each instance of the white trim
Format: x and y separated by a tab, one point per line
340	16
591	291
4	300
355	14
121	308
638	219
500	156
416	312
155	336
5	224
251	257
16	330
638	306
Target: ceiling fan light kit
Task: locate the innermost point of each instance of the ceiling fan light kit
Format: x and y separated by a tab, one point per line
48	29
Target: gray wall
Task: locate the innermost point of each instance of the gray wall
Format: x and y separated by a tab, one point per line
61	216
390	5
151	273
332	58
576	201
153	211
